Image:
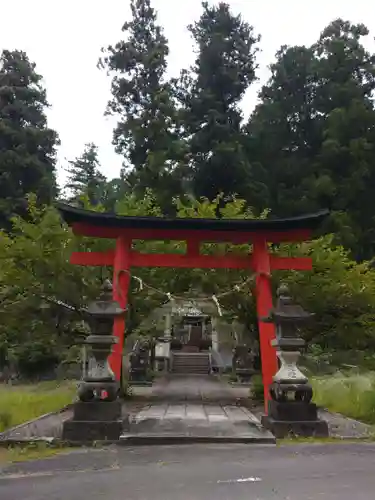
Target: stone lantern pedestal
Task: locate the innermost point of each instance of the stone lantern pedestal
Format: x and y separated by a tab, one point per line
290	410
140	363
97	415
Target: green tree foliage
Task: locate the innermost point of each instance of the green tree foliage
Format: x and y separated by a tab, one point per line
85	178
313	132
27	145
145	134
209	95
35	267
339	291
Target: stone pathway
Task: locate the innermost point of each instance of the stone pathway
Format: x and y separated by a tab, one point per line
46	426
194	406
179	388
204	413
196	420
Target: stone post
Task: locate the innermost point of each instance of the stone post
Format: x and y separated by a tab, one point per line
290	410
97	414
168	325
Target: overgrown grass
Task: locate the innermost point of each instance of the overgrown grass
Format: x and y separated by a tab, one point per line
22	403
352	395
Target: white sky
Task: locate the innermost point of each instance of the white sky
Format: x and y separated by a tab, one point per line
65	38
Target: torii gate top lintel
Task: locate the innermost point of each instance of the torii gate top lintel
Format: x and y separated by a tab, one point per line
109	225
125	229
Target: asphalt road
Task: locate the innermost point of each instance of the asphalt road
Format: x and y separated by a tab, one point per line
204	472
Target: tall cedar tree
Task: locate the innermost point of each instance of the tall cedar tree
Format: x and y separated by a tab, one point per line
314	133
27	145
284	131
345	97
145	134
85	177
209	95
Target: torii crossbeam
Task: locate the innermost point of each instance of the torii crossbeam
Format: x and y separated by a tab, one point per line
125	229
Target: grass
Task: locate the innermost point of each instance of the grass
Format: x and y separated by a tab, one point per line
352	395
315	440
35	451
20	404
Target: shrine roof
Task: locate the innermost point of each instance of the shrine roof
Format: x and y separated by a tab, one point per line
74	216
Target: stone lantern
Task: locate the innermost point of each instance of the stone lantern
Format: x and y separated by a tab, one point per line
243	363
290	410
140	363
97	414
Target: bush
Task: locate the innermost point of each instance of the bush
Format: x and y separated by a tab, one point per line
257	388
36	358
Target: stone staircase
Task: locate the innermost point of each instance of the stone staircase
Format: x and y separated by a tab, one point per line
191	362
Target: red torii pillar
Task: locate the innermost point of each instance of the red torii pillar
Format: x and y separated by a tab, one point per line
121	280
264	303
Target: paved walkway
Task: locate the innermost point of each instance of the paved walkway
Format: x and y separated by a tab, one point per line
194	407
207	388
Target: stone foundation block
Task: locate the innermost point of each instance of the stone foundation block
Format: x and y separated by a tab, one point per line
292	411
87	431
97	411
281	428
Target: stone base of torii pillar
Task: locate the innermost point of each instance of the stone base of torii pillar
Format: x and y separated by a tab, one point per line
96	421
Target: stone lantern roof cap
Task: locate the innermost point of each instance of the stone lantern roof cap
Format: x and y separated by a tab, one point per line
286	311
105	306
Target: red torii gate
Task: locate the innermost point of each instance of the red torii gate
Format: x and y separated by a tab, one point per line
125	229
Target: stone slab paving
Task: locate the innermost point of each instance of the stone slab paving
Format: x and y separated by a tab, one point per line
194	412
196	420
180	388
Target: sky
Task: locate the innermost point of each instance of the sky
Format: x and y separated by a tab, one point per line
64	39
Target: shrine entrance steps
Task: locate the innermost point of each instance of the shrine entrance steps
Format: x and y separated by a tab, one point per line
191	363
191	409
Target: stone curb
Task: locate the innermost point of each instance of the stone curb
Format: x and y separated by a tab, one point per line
148	440
33	421
240	385
141	384
169	439
141	440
